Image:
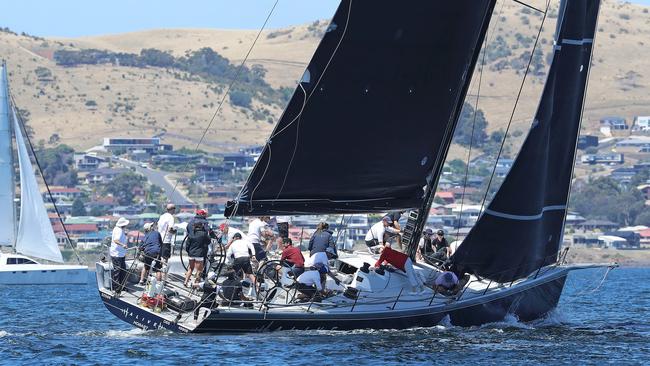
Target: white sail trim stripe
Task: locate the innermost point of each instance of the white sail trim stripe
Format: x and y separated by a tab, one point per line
525	217
578	42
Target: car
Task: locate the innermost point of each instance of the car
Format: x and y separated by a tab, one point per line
144	165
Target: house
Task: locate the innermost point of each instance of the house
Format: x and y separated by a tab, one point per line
92	240
602	225
645	189
586	241
632	239
623	175
642	123
209	173
219	192
503	167
614	123
127	210
59	193
86	162
176	159
573	219
608	159
238	161
611	241
635	142
216	205
446	197
644	238
585	141
81	229
104	175
126	144
101	204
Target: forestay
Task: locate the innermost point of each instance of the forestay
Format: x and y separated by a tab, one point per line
522	227
35	235
7	185
372	119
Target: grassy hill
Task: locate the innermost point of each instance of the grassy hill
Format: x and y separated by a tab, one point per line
80	105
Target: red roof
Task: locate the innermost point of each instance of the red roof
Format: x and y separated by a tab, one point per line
449	195
645	233
81	227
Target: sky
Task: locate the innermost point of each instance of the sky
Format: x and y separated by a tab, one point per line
74	18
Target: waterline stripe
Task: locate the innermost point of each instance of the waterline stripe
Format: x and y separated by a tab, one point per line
525	217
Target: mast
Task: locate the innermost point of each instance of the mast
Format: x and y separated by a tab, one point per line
434	175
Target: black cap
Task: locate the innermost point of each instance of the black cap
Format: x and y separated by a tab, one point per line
440	232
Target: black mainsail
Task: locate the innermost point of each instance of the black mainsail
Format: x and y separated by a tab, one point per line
371	121
522	228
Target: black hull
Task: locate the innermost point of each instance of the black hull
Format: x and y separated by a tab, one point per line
527	305
530	302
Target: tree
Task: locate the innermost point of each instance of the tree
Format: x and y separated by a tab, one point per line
122	186
241	98
604	198
466	122
78	208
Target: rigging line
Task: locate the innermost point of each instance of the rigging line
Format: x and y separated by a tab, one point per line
47	186
307	97
232	83
514	108
529	6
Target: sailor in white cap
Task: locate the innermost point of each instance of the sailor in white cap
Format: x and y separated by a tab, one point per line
118	254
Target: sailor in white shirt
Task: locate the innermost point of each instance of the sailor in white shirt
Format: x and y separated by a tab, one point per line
311	282
375	236
257	233
118	253
228	234
241	250
167	228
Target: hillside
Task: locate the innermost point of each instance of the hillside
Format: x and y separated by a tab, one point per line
79	105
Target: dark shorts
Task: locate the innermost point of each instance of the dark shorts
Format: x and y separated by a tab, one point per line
243	264
306	290
152	259
372	243
166	251
260	253
283	229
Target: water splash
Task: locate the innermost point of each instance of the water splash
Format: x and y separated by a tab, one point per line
510	321
4	333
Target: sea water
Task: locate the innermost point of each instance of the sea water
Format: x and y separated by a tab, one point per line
594	324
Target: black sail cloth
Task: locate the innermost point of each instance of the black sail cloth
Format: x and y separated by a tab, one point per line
374	114
521	229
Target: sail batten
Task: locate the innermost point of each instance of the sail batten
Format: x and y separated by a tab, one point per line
7	185
365	126
522	228
35	234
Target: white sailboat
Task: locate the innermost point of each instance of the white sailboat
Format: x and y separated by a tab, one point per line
30	233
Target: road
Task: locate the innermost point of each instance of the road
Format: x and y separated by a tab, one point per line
157	177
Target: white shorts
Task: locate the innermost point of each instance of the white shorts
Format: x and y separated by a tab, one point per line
196	259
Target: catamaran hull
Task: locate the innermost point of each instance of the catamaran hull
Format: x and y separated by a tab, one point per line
527	305
74	276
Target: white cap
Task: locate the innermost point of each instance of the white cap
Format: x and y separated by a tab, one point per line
122	222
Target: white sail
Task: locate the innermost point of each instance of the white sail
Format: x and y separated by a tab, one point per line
7	185
35	235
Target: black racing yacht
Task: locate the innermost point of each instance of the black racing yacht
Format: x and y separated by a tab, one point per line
368	130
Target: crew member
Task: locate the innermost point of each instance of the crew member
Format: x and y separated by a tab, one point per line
309	283
375	236
292	256
151	250
401	261
227	234
446	283
321	239
241	250
118	254
394	216
167	229
197	245
258	232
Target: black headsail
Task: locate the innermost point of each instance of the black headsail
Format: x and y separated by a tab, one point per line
374	114
522	228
